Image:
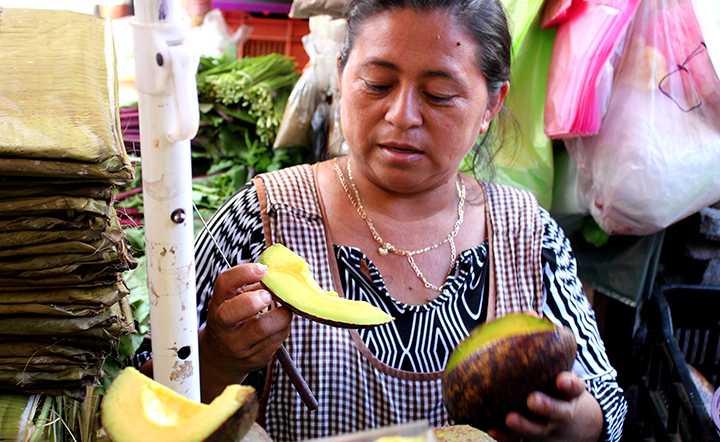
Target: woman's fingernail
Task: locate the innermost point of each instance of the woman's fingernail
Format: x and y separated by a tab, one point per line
260	269
512	420
265	297
566	383
532	401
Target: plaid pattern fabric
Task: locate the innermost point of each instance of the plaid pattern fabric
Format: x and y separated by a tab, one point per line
354	390
517	238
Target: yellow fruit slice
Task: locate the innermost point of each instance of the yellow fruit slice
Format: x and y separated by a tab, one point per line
139	409
289	279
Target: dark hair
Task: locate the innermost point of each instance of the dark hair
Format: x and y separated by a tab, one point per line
483	20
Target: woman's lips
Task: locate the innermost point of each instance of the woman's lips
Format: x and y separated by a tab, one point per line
401	147
400	152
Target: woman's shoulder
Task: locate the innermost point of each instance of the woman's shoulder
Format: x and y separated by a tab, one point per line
512	209
505	198
289	180
243	204
499	193
296	172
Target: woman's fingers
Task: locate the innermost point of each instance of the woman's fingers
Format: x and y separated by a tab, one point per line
240	324
270	331
237	297
269	328
551	415
258	338
570	384
230	282
233	312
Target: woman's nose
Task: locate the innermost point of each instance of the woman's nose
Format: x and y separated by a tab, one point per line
404	110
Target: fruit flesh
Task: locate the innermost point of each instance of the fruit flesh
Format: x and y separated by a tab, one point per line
289	278
138	409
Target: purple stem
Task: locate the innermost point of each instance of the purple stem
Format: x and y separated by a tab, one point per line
127	193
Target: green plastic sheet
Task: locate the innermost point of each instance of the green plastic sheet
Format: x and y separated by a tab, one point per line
526	162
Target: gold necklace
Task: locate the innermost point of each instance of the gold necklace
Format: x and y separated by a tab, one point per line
385	246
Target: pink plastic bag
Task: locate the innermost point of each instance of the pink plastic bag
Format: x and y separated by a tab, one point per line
584	42
656	158
555	12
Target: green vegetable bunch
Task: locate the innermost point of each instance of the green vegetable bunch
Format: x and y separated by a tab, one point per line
258	85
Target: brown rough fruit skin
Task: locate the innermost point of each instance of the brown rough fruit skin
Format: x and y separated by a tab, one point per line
237	425
498	378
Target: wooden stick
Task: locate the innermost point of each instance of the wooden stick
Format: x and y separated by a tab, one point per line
300	385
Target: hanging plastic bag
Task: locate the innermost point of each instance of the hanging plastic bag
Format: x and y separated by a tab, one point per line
214	37
317	82
311	8
294	129
556	11
527	162
585	41
656	159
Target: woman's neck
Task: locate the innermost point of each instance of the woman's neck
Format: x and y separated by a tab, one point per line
408	223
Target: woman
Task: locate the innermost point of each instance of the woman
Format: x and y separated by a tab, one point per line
396	224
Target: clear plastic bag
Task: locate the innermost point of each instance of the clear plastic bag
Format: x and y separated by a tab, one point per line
656	158
295	128
214	37
317	84
311	8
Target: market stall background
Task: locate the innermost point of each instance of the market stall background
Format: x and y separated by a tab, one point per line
572	61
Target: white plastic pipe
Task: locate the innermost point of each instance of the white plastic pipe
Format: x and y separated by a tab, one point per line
165	68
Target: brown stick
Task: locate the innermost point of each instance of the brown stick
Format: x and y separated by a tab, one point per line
300	385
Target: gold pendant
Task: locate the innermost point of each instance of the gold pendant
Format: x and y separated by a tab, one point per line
383	251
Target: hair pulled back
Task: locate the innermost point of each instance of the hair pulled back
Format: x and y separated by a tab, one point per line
483	20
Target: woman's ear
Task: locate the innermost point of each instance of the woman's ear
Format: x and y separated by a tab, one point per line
494	106
339	73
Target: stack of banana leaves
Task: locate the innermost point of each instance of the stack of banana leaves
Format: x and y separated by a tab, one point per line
63	298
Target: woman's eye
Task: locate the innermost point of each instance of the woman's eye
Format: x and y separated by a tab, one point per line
438	99
376	87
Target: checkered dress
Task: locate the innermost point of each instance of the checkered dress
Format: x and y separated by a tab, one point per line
356	391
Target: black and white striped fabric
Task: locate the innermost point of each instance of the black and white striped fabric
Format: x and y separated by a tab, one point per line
385	376
421	337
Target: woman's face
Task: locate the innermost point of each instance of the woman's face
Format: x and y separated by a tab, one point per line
413	101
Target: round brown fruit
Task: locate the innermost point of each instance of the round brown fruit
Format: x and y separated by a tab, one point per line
500	363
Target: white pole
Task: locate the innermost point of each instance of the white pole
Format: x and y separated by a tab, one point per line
165	68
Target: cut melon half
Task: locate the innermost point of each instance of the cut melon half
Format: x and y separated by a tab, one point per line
289	279
139	409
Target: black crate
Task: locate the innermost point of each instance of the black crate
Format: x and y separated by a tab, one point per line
679	325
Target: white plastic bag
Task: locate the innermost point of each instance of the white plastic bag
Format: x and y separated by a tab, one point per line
214	37
317	84
311	8
656	159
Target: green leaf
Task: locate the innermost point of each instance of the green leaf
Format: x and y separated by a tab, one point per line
592	232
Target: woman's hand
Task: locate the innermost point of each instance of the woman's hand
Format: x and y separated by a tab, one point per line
578	417
241	334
